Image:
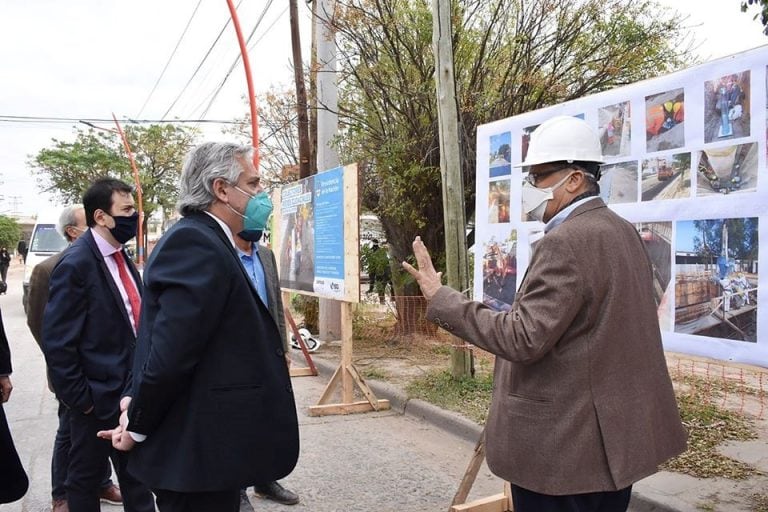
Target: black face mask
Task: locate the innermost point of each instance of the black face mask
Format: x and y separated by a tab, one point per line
125	227
251	235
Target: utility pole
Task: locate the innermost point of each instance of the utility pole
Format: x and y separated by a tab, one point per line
301	93
327	126
450	169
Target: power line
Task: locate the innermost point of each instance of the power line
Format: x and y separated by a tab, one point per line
237	59
210	49
173	53
54	119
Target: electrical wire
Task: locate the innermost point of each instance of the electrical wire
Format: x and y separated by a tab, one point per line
55	120
173	53
207	54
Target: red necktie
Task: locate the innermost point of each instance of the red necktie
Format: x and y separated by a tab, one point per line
130	287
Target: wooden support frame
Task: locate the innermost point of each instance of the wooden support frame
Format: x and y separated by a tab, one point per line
501	502
347	376
310	370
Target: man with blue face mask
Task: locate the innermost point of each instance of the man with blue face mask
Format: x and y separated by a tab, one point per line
261	267
583	406
211	407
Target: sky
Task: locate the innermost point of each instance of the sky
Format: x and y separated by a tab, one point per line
89	58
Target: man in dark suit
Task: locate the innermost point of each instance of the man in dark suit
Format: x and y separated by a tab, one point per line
583	405
212	406
261	267
71	225
89	335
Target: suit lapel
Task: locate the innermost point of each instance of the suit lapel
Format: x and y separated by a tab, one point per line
269	270
107	277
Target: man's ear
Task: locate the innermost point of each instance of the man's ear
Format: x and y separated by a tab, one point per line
220	189
100	217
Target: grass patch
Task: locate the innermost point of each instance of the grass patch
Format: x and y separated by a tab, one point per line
470	397
372	372
759	502
709	426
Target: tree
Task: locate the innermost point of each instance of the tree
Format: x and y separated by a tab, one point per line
510	58
67	168
763	6
10	233
279	133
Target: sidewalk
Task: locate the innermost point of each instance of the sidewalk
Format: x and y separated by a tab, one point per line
664	491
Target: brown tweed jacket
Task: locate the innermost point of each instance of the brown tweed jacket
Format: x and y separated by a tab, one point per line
582	398
38	297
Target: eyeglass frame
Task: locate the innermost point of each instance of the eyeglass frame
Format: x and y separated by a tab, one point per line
532	179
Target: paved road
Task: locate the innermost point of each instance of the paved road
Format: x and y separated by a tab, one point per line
382	461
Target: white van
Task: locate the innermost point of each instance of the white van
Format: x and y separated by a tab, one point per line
44	243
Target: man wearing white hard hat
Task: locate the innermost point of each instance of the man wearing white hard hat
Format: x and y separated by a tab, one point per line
583	405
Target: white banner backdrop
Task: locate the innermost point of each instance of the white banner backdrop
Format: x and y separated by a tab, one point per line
686	163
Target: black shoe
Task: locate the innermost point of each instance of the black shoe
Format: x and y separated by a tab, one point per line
276	492
245	503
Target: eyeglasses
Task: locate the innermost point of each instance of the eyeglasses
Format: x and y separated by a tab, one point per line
533	179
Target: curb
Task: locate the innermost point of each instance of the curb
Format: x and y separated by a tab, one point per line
454	423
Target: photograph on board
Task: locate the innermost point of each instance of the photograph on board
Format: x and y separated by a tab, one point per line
726	107
657	239
664	121
614	129
526	140
666	177
500	157
500	272
618	182
727	169
716	278
297	247
498	201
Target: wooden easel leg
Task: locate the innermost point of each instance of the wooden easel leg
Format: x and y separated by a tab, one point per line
298	372
468	480
348	377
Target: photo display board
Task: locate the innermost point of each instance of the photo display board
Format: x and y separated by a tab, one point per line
317	226
686	164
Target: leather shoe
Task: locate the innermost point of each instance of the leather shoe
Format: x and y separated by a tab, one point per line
111	495
59	506
276	492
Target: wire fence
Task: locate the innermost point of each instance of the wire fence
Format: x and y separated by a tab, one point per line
402	320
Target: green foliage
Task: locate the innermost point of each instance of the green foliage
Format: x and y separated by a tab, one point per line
10	233
763	6
466	395
510	57
66	169
309	308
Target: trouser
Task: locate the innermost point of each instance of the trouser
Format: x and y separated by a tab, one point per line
3	272
218	501
60	458
608	501
86	467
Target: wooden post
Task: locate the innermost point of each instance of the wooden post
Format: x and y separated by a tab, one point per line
457	270
301	93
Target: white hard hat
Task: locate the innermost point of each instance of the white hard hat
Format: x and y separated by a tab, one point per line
563	139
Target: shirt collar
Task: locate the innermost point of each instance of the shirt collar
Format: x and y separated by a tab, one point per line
224	227
564	213
105	248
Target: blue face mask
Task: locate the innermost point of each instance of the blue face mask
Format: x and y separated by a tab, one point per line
257	211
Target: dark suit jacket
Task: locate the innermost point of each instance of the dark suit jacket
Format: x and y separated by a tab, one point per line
274	296
87	337
211	387
582	400
38	298
14	482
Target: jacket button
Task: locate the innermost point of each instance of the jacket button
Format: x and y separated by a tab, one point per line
279	352
289	389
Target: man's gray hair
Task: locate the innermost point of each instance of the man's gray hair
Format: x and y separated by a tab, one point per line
66	219
203	165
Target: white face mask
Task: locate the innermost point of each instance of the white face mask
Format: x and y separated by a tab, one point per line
535	199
